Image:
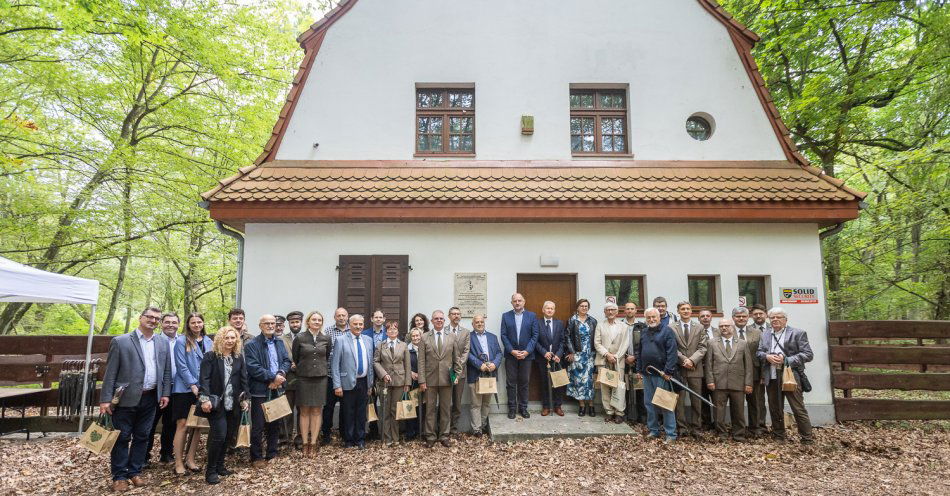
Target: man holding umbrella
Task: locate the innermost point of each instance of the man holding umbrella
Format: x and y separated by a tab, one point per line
657	349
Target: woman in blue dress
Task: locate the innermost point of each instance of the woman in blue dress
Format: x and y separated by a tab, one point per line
580	352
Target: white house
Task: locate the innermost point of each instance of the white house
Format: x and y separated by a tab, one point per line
563	149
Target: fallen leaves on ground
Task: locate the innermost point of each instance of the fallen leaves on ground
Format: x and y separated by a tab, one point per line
851	458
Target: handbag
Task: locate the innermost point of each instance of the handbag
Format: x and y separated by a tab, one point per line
618	397
558	376
665	399
607	377
101	436
788	380
486	384
405	408
244	431
371	413
414	397
276	408
195	421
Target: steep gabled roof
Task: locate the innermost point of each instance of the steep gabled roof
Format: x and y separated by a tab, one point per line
742	37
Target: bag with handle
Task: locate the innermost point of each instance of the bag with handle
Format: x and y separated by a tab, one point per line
276	407
371	413
789	383
558	376
195	421
244	431
665	399
486	384
414	397
607	377
405	408
101	436
618	397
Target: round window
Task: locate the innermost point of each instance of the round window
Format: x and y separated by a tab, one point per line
699	128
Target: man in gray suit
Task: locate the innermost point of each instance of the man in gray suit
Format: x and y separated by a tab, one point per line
755	401
351	367
785	346
140	362
462	337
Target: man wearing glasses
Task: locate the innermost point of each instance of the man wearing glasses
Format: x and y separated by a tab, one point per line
267	366
140	361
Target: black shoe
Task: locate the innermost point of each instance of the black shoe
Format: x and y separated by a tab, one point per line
324	440
525	414
212	478
361	445
591	412
511	414
223	472
581	411
166	459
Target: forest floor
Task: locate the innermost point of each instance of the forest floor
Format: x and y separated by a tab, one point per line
851	458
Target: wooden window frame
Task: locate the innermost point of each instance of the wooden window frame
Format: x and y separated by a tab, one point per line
641	303
598	113
714	288
446	113
762	291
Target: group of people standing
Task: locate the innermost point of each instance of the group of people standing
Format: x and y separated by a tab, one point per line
353	363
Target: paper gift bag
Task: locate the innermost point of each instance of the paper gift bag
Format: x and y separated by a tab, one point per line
405	408
196	421
618	398
636	383
276	408
607	377
371	413
100	437
414	397
559	378
244	432
665	399
486	385
788	380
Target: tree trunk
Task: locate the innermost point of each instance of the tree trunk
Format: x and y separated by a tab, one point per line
114	301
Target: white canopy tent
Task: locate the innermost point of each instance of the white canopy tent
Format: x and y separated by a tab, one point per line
25	284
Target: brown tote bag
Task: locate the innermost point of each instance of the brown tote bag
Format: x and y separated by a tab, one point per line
405	408
559	377
665	399
607	377
100	437
276	408
788	380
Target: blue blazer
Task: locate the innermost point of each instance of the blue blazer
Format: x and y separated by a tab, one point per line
545	341
343	361
376	339
475	349
529	333
258	363
188	364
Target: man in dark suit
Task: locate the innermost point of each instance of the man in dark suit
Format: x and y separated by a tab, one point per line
785	346
267	366
140	361
519	335
755	402
484	357
551	347
351	370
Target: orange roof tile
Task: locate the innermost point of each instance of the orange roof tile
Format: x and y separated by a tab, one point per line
628	181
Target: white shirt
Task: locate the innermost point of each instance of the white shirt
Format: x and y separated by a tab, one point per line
518	318
709	332
148	356
727	342
171	353
356	358
777	339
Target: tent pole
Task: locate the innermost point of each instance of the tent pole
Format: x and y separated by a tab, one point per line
85	383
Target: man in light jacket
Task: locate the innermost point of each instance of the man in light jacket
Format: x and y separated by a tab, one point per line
351	369
785	346
140	362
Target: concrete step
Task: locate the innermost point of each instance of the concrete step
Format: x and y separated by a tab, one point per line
504	429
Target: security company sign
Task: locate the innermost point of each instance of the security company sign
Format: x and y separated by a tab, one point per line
798	295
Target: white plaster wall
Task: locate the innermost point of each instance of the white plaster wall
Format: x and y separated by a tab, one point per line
358	102
292	266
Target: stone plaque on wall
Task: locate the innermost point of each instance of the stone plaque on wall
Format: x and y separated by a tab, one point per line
471	293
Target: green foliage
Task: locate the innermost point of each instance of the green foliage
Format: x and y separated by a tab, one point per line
114	117
863	88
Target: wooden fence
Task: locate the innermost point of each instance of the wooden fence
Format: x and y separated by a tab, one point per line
890	355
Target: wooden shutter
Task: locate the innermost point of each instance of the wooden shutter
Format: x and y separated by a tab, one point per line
391	288
368	282
354	292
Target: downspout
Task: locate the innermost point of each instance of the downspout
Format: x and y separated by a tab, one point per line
231	233
835	229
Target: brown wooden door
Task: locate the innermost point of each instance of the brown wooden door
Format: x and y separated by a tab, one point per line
370	282
538	288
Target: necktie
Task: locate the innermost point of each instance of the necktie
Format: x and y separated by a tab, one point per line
359	356
728	346
686	331
438	337
547	323
392	348
741	333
